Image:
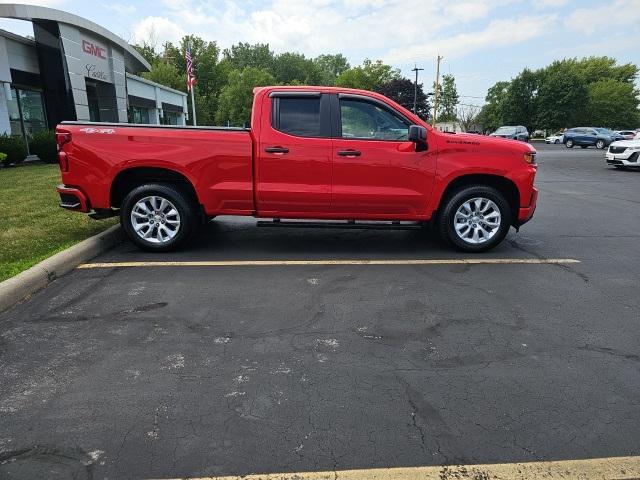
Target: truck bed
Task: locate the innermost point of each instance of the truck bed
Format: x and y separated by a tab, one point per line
217	161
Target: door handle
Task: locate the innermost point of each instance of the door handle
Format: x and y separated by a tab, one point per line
349	153
280	150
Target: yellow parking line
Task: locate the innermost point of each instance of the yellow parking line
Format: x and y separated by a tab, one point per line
612	468
271	263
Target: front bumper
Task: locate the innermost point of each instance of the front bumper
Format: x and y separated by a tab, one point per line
526	213
72	198
628	158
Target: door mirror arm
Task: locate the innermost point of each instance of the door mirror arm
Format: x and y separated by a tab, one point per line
418	135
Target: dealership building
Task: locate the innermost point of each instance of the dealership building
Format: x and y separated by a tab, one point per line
74	69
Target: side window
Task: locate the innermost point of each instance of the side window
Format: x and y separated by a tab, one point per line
365	120
298	116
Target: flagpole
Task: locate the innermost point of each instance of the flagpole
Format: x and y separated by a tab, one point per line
192	86
193	107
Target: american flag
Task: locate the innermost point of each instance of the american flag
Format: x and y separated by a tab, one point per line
191	78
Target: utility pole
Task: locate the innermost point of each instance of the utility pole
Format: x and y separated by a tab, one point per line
435	103
415	89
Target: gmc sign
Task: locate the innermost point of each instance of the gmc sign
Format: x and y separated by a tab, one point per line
95	50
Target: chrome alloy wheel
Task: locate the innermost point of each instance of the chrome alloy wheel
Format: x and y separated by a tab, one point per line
155	219
477	220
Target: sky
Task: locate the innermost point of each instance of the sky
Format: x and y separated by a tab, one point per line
482	42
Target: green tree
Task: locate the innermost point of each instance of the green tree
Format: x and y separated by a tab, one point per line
491	115
569	92
561	97
368	76
244	55
294	68
401	90
613	104
520	106
236	98
447	99
148	52
331	67
167	74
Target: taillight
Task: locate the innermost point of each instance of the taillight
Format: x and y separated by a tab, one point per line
62	138
63	160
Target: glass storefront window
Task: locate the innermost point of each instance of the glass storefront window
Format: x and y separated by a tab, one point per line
29	105
138	114
14	113
170	118
32	111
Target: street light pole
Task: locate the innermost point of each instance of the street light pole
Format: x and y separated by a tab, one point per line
415	89
435	103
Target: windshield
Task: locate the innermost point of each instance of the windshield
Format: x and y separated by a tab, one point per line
604	130
505	130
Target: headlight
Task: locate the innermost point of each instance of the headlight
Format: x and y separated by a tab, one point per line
530	158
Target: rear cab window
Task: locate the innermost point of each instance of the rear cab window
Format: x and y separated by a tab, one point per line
301	115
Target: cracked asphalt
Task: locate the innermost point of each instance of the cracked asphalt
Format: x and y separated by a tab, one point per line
194	371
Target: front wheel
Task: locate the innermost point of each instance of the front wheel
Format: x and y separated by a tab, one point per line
568	144
158	217
475	218
600	144
557	141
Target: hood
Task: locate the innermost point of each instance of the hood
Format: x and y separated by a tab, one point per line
494	143
626	143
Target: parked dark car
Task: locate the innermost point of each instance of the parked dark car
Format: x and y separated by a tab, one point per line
590	137
517	132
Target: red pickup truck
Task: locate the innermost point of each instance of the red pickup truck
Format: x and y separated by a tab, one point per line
314	156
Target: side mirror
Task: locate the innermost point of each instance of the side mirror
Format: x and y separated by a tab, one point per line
418	135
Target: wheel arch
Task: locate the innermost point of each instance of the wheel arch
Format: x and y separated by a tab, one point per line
504	185
133	177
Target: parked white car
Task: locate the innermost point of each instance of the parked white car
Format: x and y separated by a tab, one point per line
555	138
624	153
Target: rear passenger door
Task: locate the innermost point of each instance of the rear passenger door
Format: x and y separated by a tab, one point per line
293	164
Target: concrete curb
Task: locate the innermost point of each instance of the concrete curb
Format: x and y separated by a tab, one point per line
40	275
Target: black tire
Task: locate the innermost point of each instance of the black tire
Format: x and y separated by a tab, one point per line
600	144
568	143
557	141
183	204
449	207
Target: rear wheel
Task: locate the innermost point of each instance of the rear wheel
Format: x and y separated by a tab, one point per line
568	143
600	144
158	217
475	218
557	141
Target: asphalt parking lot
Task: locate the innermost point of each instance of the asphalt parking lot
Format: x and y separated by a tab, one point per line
165	372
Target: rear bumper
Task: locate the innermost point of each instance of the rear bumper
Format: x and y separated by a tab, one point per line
72	199
525	213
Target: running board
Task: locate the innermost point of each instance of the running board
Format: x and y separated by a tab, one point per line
347	224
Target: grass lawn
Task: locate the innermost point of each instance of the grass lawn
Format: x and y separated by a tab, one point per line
32	225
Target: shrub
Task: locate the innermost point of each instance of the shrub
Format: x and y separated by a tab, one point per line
14	147
3	157
43	144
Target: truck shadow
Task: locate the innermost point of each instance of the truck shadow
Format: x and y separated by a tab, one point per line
235	237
